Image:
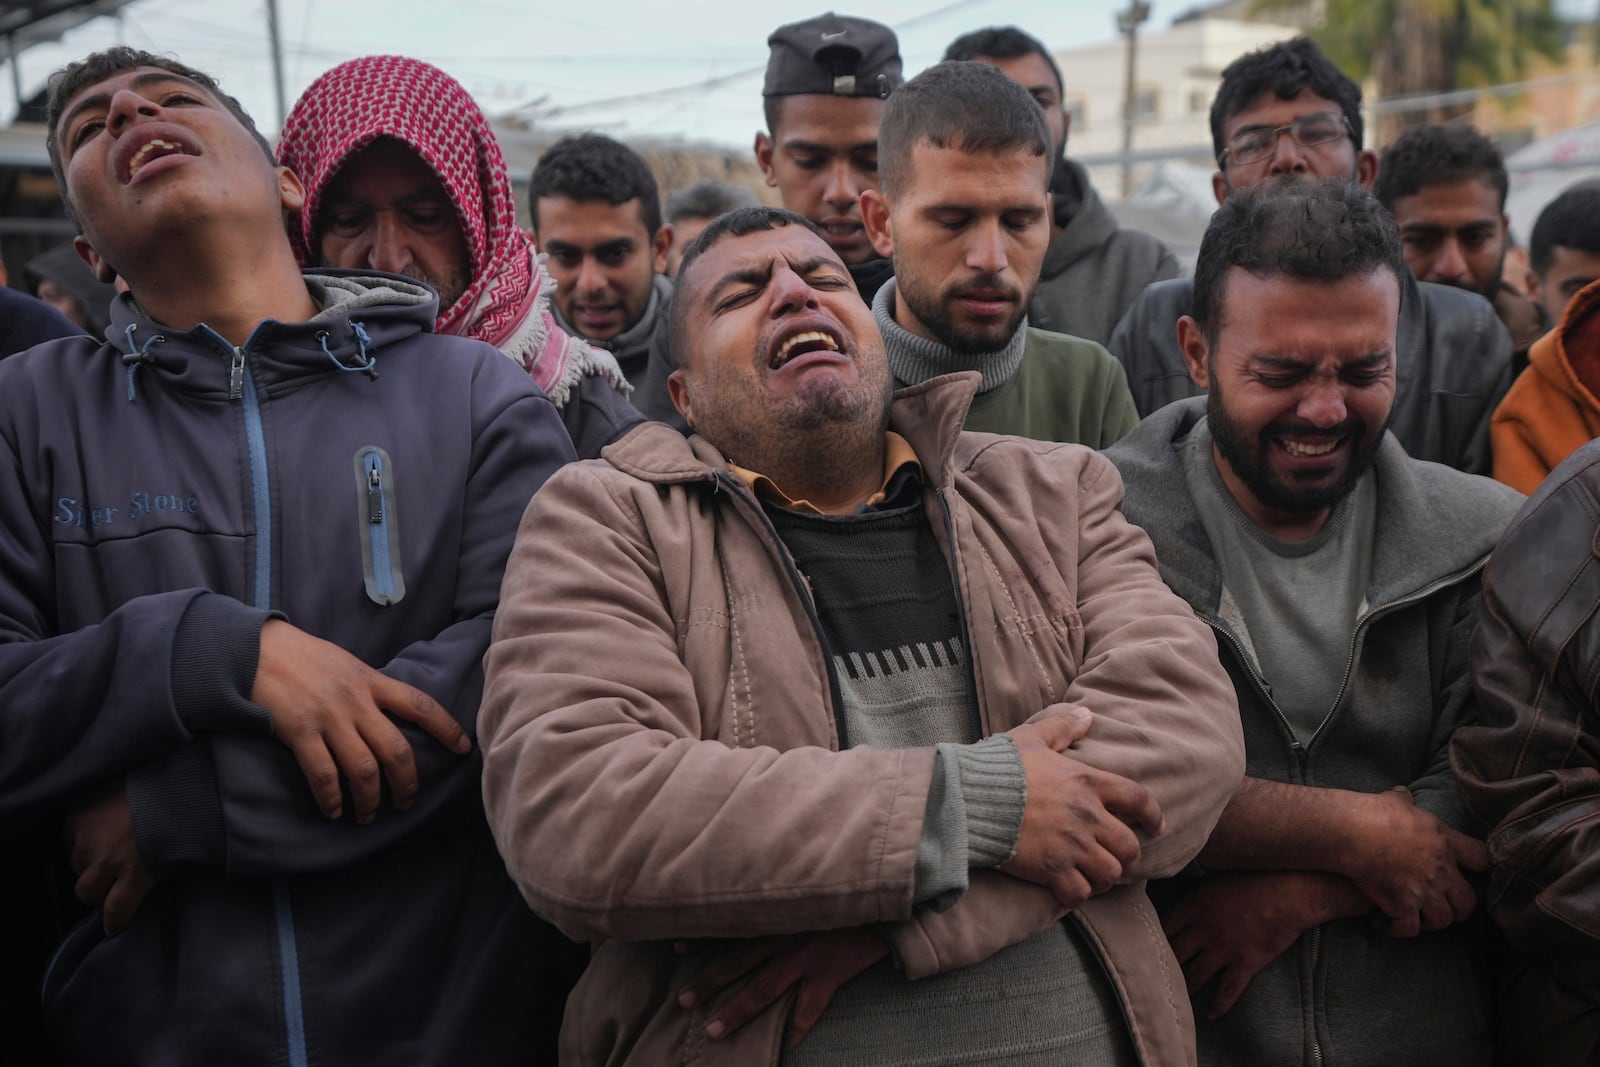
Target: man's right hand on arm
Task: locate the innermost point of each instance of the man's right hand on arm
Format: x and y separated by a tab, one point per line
1078	827
1410	863
329	709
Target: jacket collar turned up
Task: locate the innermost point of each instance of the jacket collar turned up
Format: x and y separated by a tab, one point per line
1435	525
928	415
362	313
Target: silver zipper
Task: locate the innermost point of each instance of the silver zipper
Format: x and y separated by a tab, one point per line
374	496
236	374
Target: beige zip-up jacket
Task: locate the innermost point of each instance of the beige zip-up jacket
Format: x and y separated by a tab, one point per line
661	756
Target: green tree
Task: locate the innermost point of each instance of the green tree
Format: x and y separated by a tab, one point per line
1434	46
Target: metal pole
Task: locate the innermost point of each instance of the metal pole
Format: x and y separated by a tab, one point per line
1128	22
16	70
277	60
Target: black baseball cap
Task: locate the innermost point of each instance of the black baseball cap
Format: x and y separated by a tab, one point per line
833	55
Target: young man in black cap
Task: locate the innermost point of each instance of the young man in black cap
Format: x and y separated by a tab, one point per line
827	79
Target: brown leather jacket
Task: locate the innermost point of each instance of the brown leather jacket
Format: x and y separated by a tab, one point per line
661	757
1530	768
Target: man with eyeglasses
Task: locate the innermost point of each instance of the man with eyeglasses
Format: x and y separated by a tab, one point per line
1286	110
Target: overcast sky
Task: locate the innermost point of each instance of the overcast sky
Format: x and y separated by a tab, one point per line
569	60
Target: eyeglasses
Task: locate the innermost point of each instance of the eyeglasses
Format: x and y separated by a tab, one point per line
1259	142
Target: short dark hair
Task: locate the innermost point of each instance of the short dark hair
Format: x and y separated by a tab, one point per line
739	223
963	105
706	199
1286	69
73	78
772	108
592	166
1571	220
1438	155
1002	42
1325	230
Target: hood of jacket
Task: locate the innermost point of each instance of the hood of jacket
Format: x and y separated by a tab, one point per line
1086	223
870	276
1568	357
631	347
1434	522
361	312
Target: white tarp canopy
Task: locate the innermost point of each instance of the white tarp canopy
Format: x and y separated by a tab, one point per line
1540	171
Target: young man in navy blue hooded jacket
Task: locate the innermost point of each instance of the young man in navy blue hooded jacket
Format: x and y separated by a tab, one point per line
249	554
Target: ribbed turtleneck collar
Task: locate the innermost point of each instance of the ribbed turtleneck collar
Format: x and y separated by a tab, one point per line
913	359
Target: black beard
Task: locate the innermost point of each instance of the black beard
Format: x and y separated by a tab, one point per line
931	313
1248	459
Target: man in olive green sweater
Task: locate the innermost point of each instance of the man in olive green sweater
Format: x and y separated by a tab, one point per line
963	207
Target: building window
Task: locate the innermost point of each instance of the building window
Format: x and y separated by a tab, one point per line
1199	101
1077	114
1147	103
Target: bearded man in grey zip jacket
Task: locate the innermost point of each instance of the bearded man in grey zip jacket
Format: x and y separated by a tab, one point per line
1331	918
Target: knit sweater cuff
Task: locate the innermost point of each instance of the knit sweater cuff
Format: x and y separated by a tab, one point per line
994	792
214	658
941	872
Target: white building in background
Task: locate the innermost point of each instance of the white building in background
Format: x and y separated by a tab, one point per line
1176	74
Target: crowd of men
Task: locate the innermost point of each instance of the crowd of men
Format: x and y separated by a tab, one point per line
912	624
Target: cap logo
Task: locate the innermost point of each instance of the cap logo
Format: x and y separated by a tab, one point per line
835	35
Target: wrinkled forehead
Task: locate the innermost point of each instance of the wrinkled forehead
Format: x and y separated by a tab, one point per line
753	253
1029	70
1364	303
839	122
385	164
1471	198
1270	109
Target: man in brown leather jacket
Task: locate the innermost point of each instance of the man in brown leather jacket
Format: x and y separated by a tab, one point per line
1530	767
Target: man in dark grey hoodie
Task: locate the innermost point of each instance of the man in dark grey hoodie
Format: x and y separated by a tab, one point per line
1331	917
1094	268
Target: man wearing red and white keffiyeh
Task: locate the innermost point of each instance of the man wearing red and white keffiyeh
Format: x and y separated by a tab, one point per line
403	175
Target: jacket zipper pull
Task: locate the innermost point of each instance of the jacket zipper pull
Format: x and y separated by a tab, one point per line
374	492
236	375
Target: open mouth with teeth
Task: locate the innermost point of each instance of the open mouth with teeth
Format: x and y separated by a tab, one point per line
150	151
1302	448
802	344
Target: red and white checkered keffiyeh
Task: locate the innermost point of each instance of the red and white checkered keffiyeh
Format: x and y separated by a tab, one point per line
508	301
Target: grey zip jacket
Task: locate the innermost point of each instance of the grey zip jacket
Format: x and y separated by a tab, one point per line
1347	993
159	497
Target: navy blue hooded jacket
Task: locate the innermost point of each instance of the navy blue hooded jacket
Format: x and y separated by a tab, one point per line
158	497
26	321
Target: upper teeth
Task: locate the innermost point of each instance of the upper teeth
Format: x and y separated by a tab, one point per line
143	154
1295	448
800	339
